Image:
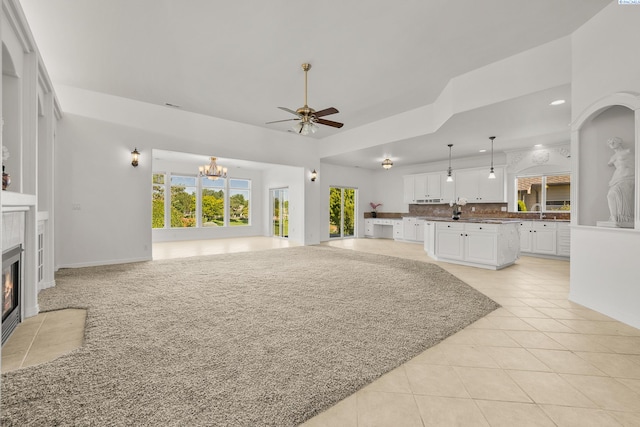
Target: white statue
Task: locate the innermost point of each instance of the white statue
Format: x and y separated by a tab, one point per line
621	186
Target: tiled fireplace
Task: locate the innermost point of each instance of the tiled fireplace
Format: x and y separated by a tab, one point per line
11	290
19	260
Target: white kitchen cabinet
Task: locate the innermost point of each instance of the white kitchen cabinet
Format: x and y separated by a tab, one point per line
430	237
409	189
526	234
481	243
368	227
563	245
398	229
492	246
413	229
544	237
448	190
475	186
423	188
449	240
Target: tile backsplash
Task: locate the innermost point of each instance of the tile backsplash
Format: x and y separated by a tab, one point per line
482	210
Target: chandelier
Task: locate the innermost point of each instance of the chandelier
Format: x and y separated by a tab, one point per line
212	170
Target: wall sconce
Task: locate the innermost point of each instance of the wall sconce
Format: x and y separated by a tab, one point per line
135	154
314	175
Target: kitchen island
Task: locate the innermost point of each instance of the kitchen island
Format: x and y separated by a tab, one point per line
485	243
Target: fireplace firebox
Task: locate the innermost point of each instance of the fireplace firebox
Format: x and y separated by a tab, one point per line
11	275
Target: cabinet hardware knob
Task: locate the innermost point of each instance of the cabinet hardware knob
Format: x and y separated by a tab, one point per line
480	228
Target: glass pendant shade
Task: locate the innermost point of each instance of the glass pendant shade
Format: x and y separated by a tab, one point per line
387	163
492	174
305	128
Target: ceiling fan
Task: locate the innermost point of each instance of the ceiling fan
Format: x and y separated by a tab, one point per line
307	118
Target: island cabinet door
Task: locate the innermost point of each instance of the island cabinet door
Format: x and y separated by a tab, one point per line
449	242
526	234
481	247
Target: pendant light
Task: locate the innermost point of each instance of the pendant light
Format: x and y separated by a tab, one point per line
387	163
492	174
449	176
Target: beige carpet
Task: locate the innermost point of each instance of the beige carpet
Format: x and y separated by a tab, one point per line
266	338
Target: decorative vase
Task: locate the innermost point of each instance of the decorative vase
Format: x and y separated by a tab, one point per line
6	179
374	214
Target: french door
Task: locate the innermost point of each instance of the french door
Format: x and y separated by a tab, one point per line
342	212
280	212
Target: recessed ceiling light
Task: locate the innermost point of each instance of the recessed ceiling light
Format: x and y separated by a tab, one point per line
558	102
483	151
538	145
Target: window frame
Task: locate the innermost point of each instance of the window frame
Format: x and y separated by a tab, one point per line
544	187
199	187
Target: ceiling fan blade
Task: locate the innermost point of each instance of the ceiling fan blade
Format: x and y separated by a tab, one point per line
278	121
326	112
330	123
289	110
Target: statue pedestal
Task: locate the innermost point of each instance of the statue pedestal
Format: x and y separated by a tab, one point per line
614	224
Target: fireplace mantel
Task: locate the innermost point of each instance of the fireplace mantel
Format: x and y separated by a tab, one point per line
11	200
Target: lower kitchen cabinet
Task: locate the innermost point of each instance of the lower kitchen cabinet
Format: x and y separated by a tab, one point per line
545	238
492	246
413	229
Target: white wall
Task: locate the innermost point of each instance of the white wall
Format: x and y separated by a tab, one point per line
604	56
339	176
605	61
293	179
101	201
605	271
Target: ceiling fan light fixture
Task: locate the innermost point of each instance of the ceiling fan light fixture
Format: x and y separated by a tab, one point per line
387	163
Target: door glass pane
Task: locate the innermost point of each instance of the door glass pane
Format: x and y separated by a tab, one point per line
280	214
348	212
335	212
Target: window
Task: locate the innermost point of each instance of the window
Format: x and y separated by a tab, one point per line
544	193
157	200
213	202
199	202
183	201
239	198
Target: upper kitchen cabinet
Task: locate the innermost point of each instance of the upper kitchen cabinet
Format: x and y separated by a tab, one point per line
423	188
475	185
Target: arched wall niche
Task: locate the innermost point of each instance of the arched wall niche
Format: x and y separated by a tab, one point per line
616	115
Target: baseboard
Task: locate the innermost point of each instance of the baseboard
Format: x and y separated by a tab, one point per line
107	262
46	285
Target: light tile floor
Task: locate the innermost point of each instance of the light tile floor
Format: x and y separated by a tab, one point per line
539	360
44	337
